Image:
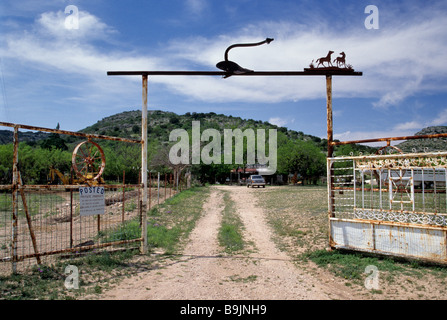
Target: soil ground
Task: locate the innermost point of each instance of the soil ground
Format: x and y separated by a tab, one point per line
204	271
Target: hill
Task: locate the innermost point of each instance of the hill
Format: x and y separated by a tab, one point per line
161	123
6	136
429	145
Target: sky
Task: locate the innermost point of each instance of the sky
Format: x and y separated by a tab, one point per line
54	61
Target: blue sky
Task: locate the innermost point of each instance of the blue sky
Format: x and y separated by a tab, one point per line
52	74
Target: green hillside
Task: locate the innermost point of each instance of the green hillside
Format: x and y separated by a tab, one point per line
161	123
428	145
297	152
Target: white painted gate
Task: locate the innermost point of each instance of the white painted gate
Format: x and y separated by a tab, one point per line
389	204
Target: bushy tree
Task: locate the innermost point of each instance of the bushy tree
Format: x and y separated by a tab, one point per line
300	157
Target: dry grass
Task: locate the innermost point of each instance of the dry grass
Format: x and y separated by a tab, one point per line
299	218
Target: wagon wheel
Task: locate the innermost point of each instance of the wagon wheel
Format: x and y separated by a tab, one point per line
88	160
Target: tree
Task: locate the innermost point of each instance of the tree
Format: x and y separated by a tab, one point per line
54	141
300	157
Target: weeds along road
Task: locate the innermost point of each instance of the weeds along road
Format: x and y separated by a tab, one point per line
205	271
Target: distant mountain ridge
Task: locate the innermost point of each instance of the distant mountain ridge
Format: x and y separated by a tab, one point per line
6	136
160	123
428	145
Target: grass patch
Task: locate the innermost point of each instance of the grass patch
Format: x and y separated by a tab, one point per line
237	278
168	224
298	216
401	274
128	231
35	202
352	266
230	232
48	282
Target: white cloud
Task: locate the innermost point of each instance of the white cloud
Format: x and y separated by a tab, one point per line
397	62
441	119
196	6
399	130
280	122
89	26
408	126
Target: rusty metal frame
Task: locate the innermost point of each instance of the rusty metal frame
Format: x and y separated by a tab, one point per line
367	215
389	139
89	136
18	190
327	72
309	72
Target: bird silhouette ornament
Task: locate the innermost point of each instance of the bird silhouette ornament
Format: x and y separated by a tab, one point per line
232	68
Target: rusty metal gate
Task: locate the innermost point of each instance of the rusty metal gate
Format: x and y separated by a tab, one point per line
42	221
392	204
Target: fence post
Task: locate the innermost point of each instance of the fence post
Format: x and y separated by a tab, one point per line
15	202
150	190
330	146
330	151
143	248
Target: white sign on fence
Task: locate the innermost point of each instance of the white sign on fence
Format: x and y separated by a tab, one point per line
92	200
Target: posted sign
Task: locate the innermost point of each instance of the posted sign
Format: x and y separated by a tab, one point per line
92	200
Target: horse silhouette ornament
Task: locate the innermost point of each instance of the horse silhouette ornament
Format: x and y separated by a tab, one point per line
340	60
325	59
325	63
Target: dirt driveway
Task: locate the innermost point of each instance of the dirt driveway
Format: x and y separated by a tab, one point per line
204	271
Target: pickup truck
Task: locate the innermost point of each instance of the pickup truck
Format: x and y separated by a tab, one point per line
255	180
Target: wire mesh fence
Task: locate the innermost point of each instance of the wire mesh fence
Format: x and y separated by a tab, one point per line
41	215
